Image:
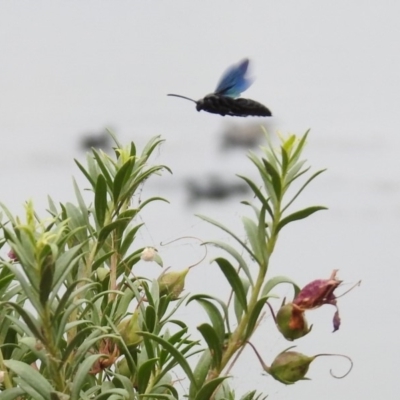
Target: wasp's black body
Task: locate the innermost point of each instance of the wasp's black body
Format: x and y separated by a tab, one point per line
226	101
239	107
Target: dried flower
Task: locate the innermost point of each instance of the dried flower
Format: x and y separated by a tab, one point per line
317	293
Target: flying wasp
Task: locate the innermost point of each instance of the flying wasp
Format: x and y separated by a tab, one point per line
226	101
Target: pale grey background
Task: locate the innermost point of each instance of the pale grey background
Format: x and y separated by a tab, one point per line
68	68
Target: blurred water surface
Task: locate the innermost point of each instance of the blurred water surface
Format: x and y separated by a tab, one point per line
69	68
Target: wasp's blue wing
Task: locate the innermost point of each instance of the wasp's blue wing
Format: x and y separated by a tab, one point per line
234	80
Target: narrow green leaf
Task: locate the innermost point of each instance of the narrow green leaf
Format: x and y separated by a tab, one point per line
14	393
81	375
144	373
299	148
258	194
99	261
233	278
129	237
275	178
277	280
121	178
237	306
32	377
262	239
180	359
222	227
81	202
200	372
252	235
254	317
103	168
86	173
100	200
302	188
28	318
46	279
151	199
216	299
151	318
209	388
215	316
127	384
299	215
105	231
236	255
285	161
214	343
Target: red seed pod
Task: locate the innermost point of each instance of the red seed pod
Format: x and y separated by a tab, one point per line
291	322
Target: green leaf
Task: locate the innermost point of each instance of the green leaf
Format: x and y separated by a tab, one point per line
254	317
277	280
128	238
275	178
252	235
219	301
151	318
86	173
100	162
103	234
257	192
46	279
214	343
214	315
180	359
222	227
144	374
209	388
14	393
100	200
81	375
236	255
200	372
121	178
237	306
299	148
299	215
233	278
28	318
302	188
32	377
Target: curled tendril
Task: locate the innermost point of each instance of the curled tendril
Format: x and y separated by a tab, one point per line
339	355
188	237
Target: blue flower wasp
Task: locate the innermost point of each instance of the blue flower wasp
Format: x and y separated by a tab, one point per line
226	101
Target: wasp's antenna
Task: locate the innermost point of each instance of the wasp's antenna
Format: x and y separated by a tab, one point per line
182	97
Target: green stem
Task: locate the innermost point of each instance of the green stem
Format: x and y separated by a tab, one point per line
53	352
236	340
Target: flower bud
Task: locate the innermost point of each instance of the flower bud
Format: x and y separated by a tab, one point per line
128	329
172	283
102	273
11	254
291	322
123	368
